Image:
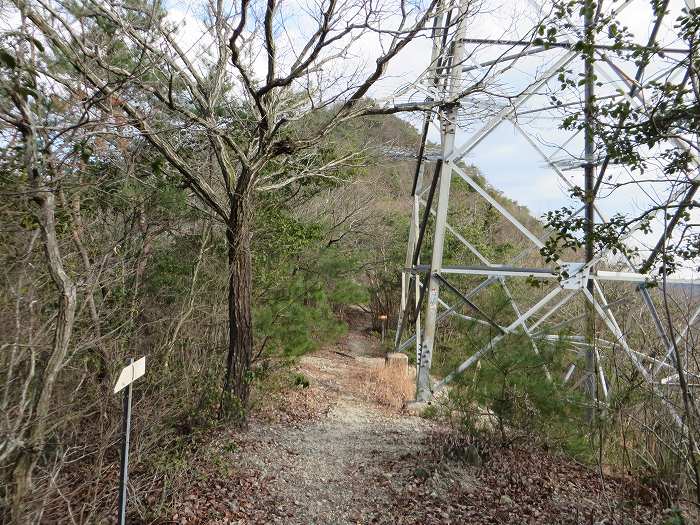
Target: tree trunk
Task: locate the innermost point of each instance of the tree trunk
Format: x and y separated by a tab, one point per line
240	345
34	443
34	438
77	231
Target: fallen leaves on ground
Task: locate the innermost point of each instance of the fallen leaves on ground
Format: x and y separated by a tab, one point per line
328	454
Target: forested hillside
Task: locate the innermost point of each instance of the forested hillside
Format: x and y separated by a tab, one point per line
148	274
247	259
148	267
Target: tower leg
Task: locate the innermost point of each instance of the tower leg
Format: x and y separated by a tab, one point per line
448	118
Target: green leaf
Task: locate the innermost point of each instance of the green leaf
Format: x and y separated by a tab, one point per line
27	91
36	43
8	59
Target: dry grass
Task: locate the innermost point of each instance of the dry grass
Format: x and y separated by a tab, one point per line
390	386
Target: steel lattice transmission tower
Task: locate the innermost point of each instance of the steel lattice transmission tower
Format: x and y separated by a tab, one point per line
430	288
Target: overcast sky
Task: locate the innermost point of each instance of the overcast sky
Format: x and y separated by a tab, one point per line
505	158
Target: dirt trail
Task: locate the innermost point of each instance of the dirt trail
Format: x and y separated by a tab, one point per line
330	454
334	469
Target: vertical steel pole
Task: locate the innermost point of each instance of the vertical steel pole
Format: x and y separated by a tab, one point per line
124	467
415	193
404	275
589	175
410	250
448	118
416	226
419	325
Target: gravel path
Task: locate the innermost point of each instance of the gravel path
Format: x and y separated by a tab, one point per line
331	454
335	469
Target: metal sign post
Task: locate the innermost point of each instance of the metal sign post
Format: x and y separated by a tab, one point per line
128	375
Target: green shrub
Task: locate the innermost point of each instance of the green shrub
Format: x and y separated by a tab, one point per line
301	380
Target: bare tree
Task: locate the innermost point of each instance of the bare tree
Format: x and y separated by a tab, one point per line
265	96
39	163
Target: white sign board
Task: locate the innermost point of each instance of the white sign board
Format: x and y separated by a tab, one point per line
130	374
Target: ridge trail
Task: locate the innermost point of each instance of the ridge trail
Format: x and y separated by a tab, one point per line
334	469
331	454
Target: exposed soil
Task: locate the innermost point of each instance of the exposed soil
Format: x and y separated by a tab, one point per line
333	469
329	454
